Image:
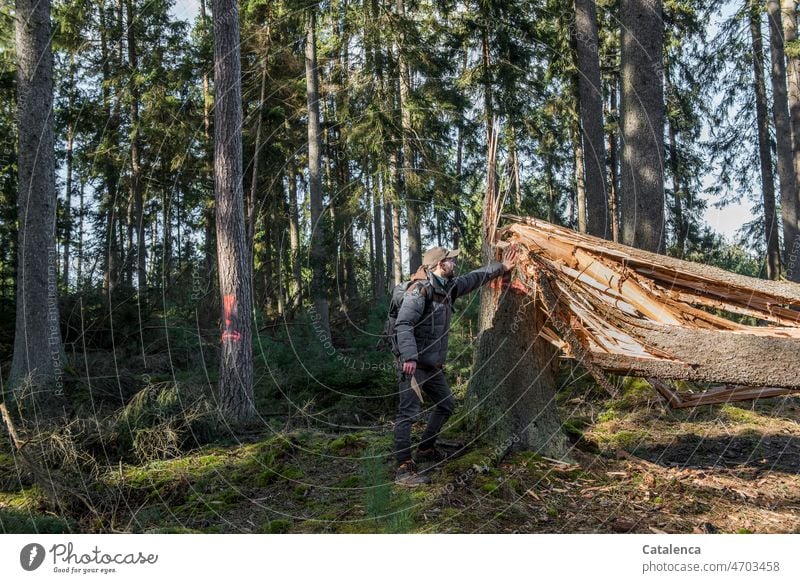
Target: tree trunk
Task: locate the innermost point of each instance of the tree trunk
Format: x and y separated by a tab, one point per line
515	188
68	204
36	367
642	123
591	110
81	213
377	213
613	163
318	231
251	199
678	192
208	205
511	393
580	179
136	169
410	182
397	262
783	140
294	238
764	153
789	20
110	171
388	232
235	270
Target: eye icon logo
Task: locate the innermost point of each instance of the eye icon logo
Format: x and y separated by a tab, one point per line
31	556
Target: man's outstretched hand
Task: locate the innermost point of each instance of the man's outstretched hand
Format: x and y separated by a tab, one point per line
510	257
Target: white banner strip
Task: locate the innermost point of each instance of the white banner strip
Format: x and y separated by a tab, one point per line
399	558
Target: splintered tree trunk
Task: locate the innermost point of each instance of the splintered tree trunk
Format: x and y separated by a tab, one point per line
591	109
511	394
642	123
36	364
783	139
318	251
764	154
235	270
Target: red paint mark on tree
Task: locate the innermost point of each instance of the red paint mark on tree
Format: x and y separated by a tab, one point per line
229	305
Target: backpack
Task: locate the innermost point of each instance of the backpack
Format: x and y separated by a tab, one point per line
388	339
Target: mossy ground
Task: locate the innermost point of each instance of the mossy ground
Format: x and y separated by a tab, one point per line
640	467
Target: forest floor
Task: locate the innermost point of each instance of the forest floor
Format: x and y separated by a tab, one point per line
635	466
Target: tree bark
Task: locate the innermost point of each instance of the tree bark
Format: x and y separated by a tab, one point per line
410	181
789	20
580	179
235	270
764	153
294	237
511	393
318	231
36	366
136	169
591	116
642	124
208	205
783	139
253	194
613	162
377	224
678	192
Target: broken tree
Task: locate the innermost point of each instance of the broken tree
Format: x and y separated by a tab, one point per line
623	310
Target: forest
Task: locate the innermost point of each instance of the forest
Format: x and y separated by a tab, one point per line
205	208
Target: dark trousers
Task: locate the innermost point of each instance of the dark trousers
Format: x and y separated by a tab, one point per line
438	399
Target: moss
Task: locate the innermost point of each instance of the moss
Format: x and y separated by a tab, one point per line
634	391
174	530
467	462
489	487
624	438
301	491
552	512
277	526
25	499
744	531
348	445
349	482
607	415
17	522
739	415
291	473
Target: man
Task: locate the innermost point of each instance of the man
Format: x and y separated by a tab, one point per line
422	328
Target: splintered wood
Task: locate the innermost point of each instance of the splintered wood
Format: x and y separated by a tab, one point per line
626	311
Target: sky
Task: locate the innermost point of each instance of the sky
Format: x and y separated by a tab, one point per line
725	221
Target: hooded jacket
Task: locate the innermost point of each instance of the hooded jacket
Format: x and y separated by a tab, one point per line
423	325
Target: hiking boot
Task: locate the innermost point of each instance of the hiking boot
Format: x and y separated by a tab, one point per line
407	475
429	455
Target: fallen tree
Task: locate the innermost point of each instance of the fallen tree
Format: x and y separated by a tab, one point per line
627	311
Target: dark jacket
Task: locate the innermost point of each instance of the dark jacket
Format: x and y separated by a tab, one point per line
423	324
